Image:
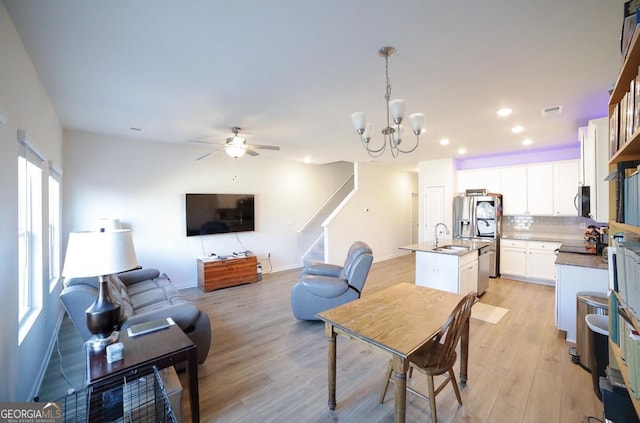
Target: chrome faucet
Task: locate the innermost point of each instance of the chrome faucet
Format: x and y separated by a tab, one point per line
435	245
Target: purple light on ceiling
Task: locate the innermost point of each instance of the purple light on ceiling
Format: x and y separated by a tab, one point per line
567	152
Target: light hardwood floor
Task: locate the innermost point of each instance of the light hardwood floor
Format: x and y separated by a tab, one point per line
265	366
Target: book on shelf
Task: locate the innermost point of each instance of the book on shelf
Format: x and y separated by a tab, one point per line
633	361
629	25
614	122
632	199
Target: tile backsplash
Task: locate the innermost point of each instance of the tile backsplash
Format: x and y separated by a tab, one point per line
566	226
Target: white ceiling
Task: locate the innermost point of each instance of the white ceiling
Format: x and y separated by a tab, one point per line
291	72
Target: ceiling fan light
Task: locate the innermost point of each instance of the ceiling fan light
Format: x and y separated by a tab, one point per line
359	120
237	140
417	122
235	151
396	108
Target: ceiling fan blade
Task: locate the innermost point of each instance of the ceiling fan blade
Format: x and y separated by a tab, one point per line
205	156
204	142
251	152
265	147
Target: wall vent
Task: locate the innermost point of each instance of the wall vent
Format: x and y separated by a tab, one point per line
552	111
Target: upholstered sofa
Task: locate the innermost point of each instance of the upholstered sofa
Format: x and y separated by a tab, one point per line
143	295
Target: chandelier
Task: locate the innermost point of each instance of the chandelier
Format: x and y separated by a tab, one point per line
392	135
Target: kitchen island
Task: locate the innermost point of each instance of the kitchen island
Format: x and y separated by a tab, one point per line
577	273
454	265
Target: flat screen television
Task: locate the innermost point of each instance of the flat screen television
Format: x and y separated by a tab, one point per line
208	214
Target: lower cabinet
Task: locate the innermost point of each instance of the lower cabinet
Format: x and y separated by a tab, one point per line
468	275
571	280
530	261
447	272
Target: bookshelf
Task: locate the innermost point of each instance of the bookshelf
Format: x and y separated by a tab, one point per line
628	150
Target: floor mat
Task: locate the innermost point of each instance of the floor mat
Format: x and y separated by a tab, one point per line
487	312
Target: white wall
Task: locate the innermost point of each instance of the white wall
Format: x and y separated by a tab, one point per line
27	106
379	214
143	183
436	173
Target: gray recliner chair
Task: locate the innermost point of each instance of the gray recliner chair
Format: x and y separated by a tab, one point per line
323	286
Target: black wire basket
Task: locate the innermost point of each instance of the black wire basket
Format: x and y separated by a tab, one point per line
141	399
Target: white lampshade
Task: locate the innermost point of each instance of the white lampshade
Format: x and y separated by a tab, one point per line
396	108
235	151
359	120
368	130
417	122
99	253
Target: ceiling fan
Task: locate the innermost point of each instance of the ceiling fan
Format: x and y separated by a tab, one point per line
236	146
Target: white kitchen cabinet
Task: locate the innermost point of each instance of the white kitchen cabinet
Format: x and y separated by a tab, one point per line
513	257
468	276
594	165
529	261
565	187
570	281
541	260
487	178
540	189
447	272
514	191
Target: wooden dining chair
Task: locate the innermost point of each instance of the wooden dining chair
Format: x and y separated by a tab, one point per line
438	356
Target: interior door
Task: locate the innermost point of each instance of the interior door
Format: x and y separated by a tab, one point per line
433	210
414	219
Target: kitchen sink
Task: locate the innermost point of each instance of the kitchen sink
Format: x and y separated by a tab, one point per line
452	248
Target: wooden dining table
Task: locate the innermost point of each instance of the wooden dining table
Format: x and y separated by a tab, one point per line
396	321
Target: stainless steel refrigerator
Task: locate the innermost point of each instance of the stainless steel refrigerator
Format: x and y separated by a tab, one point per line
479	217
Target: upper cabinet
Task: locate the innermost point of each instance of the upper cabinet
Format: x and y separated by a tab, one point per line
546	189
594	165
488	178
565	187
540	189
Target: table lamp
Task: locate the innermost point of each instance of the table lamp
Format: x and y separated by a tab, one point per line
100	254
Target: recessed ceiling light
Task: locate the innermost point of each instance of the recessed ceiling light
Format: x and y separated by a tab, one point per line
527	141
504	112
307	159
444	141
517	129
462	150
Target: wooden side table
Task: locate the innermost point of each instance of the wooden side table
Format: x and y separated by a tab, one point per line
161	349
222	273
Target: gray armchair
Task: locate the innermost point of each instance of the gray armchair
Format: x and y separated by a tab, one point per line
323	286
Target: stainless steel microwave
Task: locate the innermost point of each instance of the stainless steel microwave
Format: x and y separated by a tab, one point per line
582	201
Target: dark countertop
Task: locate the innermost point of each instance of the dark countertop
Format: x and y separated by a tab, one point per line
427	247
582	260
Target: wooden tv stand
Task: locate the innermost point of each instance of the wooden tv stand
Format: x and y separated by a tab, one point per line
222	273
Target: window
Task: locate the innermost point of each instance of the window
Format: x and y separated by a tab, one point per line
54	227
29	234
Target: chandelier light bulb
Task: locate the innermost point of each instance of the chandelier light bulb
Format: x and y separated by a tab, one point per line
359	120
398	134
417	122
396	108
368	130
